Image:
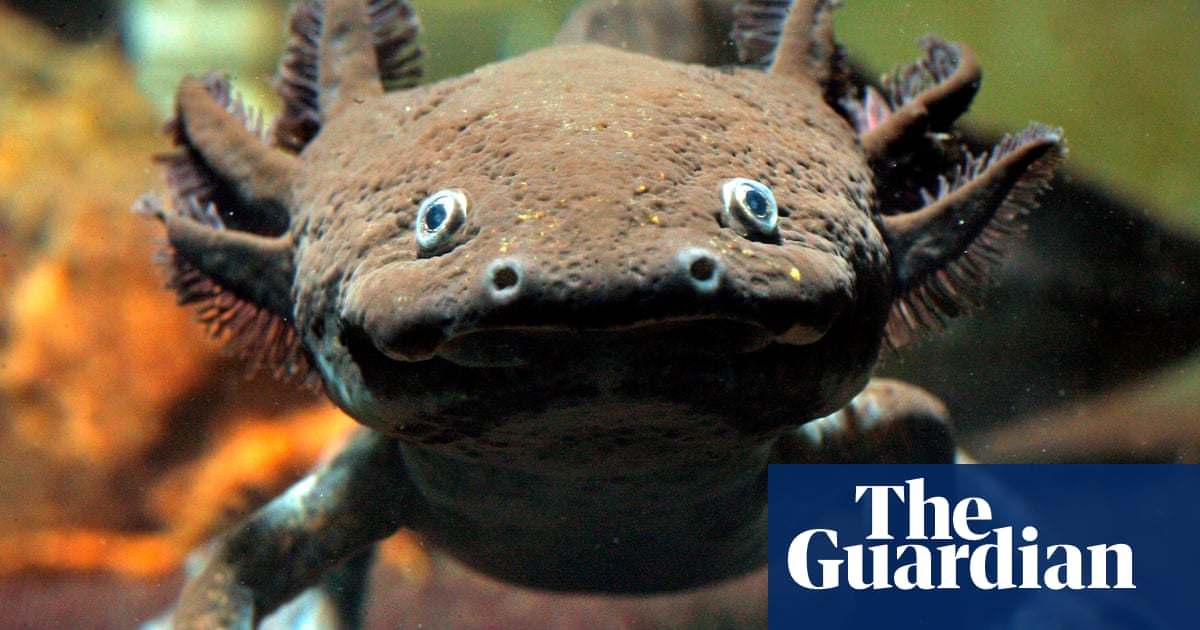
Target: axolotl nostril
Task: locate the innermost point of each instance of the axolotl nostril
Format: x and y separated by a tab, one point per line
580	298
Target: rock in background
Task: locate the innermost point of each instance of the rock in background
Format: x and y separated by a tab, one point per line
113	405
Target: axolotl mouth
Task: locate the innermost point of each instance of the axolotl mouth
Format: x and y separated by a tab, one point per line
513	313
547	346
694	373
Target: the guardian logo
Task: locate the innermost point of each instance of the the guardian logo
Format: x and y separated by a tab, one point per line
948	546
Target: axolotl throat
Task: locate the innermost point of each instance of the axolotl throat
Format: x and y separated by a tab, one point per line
580	298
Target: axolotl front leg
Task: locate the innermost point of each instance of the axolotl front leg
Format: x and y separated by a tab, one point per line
334	514
889	422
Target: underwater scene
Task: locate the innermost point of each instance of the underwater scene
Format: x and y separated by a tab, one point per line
188	328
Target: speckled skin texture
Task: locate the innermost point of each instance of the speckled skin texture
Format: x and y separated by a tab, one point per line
595	186
580	387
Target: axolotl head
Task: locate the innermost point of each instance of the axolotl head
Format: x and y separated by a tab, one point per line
585	222
583	235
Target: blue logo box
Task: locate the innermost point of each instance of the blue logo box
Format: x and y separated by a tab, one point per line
1065	547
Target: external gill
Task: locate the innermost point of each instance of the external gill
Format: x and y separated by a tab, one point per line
228	310
965	223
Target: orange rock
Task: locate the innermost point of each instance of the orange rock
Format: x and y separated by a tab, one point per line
126	437
92	354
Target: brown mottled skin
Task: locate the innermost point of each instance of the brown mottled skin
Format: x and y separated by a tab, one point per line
581	386
598	242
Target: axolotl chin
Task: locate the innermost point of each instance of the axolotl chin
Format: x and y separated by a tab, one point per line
579	299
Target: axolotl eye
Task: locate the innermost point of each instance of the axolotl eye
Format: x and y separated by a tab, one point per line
750	207
438	218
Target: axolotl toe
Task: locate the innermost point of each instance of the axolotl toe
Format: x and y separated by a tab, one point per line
580	298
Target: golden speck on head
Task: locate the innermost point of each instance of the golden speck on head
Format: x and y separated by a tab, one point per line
795	274
640	189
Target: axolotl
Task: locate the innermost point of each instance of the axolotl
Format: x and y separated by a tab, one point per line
581	298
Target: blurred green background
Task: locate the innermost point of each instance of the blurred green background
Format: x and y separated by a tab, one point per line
1118	76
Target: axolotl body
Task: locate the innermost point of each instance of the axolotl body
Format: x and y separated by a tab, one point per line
580	299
